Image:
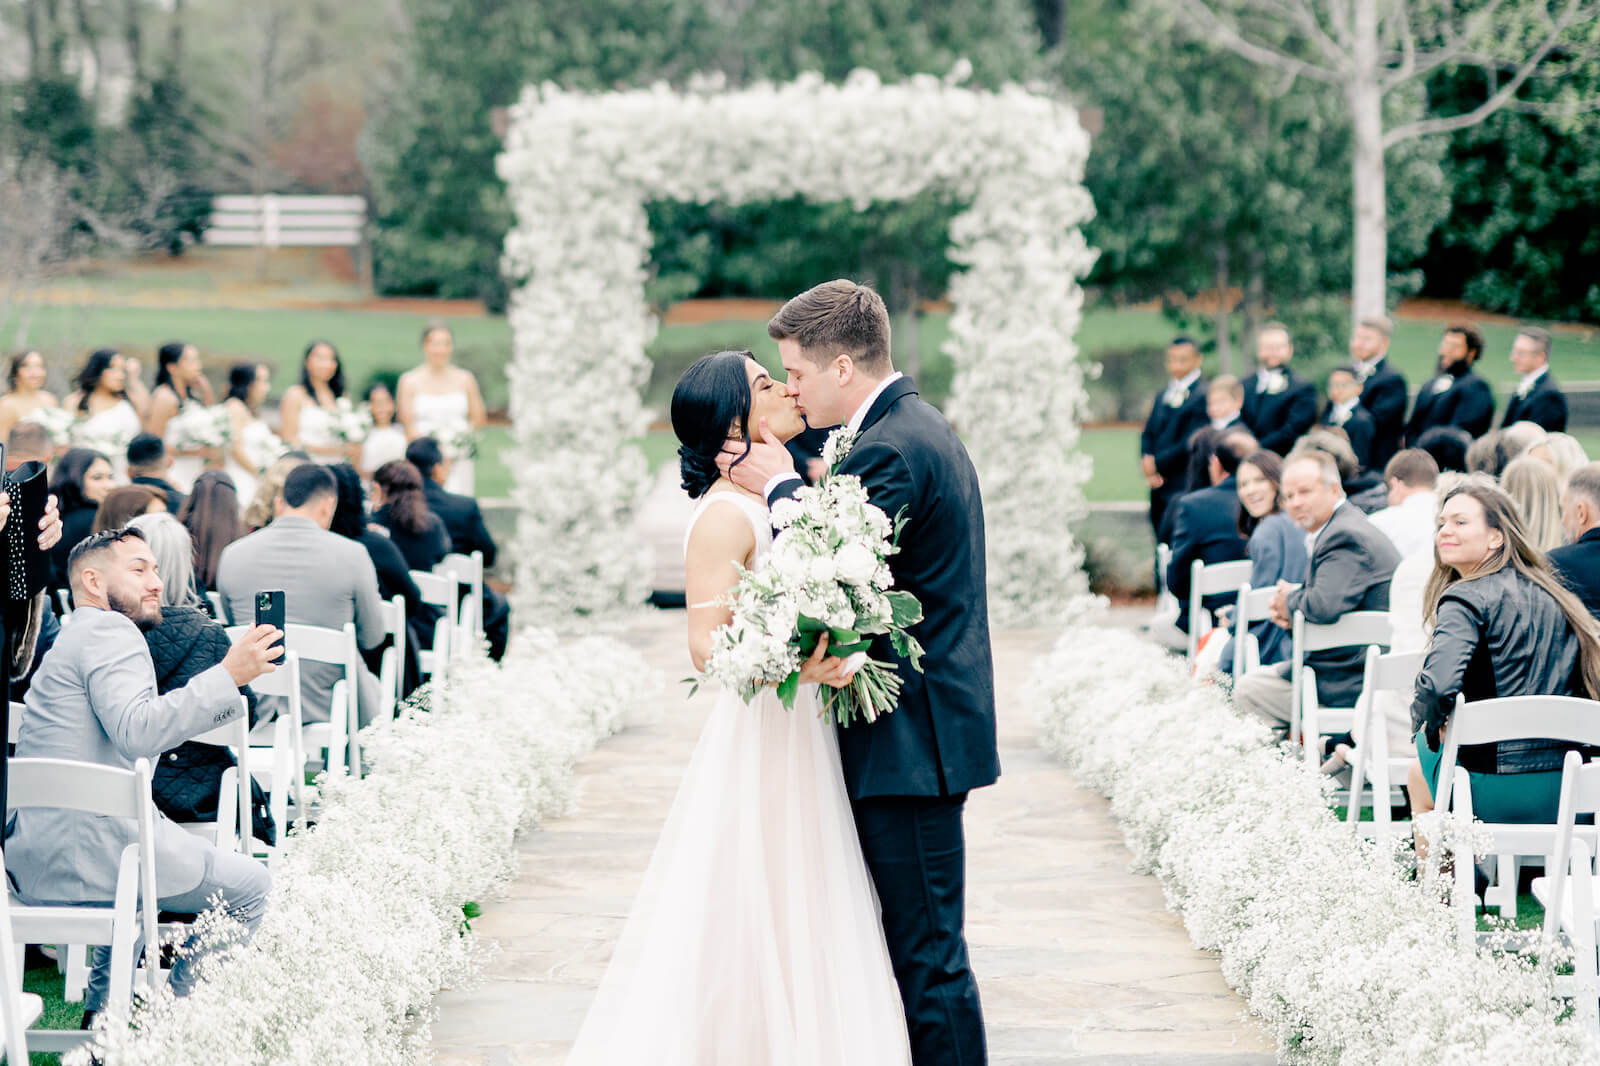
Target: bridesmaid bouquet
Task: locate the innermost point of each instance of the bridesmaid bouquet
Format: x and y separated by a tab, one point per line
827	572
201	427
57	421
351	424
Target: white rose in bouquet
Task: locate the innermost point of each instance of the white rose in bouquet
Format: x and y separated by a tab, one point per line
349	424
57	421
856	563
200	427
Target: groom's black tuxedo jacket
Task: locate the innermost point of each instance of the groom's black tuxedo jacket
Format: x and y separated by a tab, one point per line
940	740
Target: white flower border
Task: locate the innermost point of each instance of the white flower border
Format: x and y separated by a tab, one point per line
579	169
364	921
1341	960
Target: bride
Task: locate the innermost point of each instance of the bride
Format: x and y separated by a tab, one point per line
755	940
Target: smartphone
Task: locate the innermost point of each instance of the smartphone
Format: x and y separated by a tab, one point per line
269	612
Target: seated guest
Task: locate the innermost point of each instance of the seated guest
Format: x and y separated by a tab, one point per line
1383	390
1408	521
463	520
1225	402
187	642
1455	396
94	700
1533	486
1448	446
1492	452
1277	549
394	574
326	581
1577	564
148	464
1502	626
1205	525
125	503
211	515
1566	454
402	510
82	479
1349	570
28	442
1538	398
263	506
1364	488
1279	406
1345	412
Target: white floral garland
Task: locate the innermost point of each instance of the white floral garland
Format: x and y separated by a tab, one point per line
579	169
364	924
1341	960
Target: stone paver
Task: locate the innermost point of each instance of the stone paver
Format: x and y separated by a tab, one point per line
1078	960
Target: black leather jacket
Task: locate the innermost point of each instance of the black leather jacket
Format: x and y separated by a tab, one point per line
1497	635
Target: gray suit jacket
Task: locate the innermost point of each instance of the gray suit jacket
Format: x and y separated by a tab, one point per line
327	580
1351	565
93	699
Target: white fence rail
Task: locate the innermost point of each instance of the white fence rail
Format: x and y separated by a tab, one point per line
287	221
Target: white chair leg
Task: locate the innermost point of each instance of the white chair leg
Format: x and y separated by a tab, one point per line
76	958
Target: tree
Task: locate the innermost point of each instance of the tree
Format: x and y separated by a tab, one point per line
1374	56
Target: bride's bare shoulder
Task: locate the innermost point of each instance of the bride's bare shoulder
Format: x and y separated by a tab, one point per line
721	532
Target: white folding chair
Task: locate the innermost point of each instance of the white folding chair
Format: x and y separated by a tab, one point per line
469	620
1307	720
1375	768
1563	718
439	591
1210	581
108	792
64	598
217	605
18	1009
14	725
1253	605
337	647
279	757
1570	891
232	827
392	665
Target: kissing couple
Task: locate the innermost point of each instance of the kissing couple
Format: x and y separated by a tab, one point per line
805	902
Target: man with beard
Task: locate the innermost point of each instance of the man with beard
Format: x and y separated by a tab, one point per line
94	700
1456	396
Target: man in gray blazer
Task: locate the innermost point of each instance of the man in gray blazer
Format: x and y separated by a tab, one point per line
93	699
1351	565
327	580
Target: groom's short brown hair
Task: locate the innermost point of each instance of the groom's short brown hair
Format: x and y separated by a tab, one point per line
837	316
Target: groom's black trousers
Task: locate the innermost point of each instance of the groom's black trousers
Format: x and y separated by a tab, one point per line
916	850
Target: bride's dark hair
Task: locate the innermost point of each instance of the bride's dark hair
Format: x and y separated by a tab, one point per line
710	399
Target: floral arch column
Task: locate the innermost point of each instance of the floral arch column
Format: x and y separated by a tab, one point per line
580	169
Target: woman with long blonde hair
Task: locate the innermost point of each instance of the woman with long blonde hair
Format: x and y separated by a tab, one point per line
1502	625
1535	487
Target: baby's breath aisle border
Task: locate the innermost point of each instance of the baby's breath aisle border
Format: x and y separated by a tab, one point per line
365	924
1340	959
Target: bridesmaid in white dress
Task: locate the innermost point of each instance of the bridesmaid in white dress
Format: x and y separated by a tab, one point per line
109	400
309	408
254	444
441	400
180	384
755	939
26	379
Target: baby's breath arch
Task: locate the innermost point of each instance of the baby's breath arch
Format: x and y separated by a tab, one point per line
581	167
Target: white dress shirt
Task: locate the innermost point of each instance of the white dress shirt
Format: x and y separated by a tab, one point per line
1528	381
1176	390
1341	412
1410	525
1311	538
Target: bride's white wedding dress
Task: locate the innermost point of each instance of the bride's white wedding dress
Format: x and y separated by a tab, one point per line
755	939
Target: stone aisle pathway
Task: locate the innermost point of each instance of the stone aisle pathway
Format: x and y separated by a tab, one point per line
1078	960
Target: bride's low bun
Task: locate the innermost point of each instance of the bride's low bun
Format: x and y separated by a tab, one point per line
699	472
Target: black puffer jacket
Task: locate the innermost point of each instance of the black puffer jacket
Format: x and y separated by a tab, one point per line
186	780
1497	635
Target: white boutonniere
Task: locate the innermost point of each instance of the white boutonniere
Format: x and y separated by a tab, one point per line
1341	417
1177	399
1276	383
1442	383
838	445
1523	390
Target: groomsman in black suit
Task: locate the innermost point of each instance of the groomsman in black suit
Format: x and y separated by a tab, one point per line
1279	406
1178	411
1455	396
1383	390
1538	398
1345	412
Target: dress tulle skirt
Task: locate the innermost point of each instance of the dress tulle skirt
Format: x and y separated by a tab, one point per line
755	940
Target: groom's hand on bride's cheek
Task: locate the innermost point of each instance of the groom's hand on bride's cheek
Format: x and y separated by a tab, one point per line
767	459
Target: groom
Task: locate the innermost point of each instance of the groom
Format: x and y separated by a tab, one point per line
908	773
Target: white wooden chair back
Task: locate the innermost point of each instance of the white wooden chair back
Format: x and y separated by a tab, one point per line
392	669
14	723
18	1009
64	599
1210	580
337	647
1351	630
109	792
1561	718
1374	764
1568	888
1252	606
439	590
469	619
284	682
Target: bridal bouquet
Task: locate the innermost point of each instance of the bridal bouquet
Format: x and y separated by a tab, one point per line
57	421
827	572
350	424
113	444
201	427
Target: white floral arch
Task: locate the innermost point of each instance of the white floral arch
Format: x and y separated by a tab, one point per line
580	168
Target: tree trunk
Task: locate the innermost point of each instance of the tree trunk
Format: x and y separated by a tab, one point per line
133	34
1255	302
1369	291
1222	315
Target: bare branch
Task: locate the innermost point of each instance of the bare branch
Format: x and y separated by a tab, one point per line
1299	13
1225	33
1456	46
